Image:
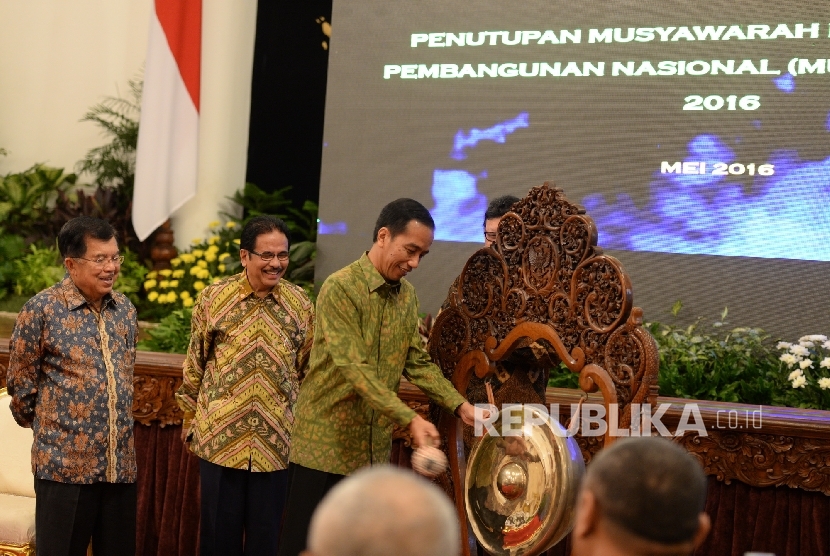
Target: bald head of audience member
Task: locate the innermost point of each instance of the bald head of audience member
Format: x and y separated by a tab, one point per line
382	511
641	496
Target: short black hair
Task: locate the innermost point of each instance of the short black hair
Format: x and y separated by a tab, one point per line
499	206
650	487
73	235
259	225
396	216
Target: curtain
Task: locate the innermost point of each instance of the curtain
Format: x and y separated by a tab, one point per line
168	493
781	520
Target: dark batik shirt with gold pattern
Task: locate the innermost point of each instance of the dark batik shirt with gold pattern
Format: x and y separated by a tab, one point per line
71	380
366	337
242	373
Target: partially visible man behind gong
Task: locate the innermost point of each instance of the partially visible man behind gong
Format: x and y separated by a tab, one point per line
523	377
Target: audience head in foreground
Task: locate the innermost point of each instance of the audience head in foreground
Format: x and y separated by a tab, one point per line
384	510
641	496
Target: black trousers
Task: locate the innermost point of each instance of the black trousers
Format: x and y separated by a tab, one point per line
306	490
241	510
67	516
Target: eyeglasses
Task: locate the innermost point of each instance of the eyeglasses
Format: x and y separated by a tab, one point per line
268	256
491	236
102	260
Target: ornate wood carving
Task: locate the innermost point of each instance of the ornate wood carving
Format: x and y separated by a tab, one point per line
762	459
545	287
154	400
545	283
157	377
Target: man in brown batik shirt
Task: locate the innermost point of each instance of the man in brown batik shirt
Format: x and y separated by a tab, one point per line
71	380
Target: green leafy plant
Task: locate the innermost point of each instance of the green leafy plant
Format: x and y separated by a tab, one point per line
12	247
302	223
26	198
301	266
113	164
563	377
131	277
717	363
39	269
171	335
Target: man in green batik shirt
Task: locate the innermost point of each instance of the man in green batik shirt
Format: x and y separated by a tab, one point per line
366	337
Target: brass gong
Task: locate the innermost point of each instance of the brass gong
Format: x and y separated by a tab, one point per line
522	482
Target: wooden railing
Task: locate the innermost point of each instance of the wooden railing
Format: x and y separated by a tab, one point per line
757	445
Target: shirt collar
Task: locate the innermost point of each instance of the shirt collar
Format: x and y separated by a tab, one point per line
374	280
74	297
245	288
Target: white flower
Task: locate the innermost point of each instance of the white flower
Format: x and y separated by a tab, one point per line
795	374
825	363
799	350
799	382
789	359
783	345
806	343
814	338
824	383
826	345
806	364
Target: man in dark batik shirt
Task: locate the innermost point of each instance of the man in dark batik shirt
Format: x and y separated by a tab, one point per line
71	381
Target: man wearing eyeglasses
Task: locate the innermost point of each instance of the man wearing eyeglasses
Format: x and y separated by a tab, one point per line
250	339
71	380
497	208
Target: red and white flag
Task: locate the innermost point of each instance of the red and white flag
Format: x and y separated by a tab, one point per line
168	136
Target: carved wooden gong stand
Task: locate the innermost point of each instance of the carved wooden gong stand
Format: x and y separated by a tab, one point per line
543	281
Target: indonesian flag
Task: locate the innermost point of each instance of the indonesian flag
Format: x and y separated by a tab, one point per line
168	137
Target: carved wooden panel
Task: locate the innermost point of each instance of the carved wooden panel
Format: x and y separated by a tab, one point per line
545	284
543	293
762	459
154	400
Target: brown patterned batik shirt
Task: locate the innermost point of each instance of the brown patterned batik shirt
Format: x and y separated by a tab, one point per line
366	338
71	380
242	373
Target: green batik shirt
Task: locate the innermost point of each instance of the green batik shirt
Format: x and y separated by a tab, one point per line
365	338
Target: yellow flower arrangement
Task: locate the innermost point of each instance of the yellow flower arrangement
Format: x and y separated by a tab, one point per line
204	262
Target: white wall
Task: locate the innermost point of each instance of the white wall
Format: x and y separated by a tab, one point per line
59	57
